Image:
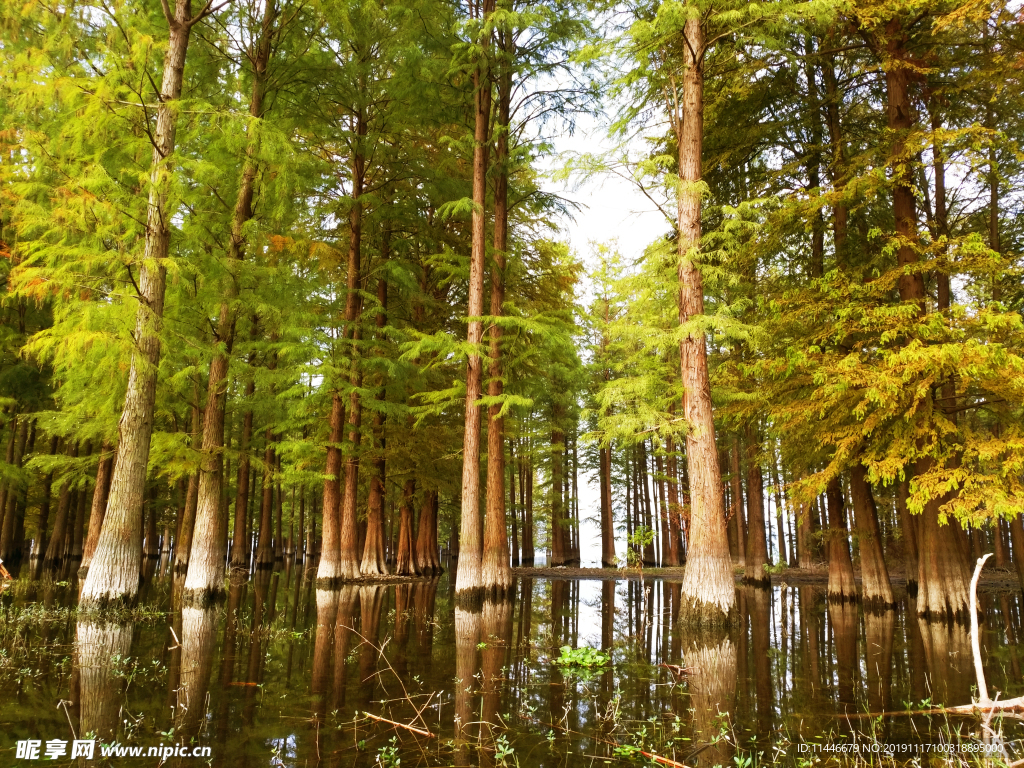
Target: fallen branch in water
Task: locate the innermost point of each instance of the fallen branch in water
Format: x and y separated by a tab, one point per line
4	573
663	760
414	729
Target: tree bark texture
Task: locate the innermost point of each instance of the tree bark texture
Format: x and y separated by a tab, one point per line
427	561
468	574
757	545
405	562
99	506
708	591
841	584
876	589
495	569
374	562
114	573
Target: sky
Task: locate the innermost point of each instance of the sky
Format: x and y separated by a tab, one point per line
610	209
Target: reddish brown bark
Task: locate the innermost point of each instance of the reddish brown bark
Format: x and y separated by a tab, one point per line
405	562
427	561
708	591
876	590
841	584
99	505
757	544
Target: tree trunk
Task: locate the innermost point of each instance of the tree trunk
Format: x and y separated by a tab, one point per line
876	590
264	545
739	525
374	562
841	584
526	477
240	542
187	521
708	590
648	553
348	541
779	510
15	498
99	505
608	558
44	508
329	569
114	573
943	574
513	510
557	533
206	563
55	550
675	510
405	562
427	562
757	545
468	575
495	570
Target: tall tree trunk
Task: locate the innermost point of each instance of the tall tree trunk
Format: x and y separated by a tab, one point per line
55	550
44	508
99	506
468	575
558	556
876	590
757	545
240	542
841	584
329	569
495	569
675	516
264	545
206	562
739	523
608	558
648	552
779	509
708	591
348	541
427	562
512	508
526	477
114	573
15	497
374	562
405	562
669	553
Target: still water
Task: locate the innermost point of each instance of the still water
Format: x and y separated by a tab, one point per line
284	674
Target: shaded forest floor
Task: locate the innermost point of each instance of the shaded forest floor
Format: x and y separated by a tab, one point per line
1000	578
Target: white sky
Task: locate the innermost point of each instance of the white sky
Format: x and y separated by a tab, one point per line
612	209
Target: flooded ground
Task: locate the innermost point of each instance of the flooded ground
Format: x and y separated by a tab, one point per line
288	675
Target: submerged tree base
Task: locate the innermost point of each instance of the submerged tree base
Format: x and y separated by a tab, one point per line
698	614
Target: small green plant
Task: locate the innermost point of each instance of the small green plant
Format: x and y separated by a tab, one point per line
581	657
503	752
388	756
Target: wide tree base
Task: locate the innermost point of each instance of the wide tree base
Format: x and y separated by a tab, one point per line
699	615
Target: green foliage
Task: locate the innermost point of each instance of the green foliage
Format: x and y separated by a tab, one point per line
585	657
